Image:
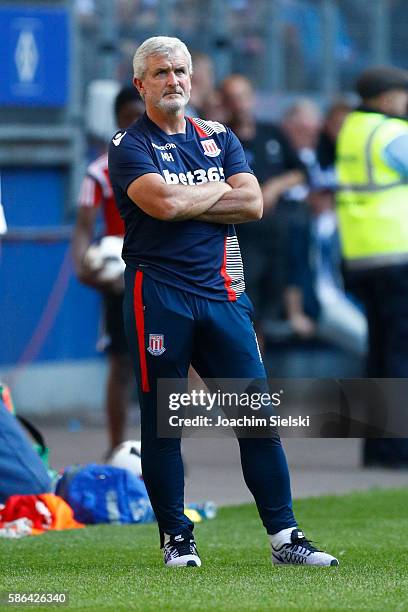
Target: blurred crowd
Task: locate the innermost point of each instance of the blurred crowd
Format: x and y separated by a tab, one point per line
241	31
292	257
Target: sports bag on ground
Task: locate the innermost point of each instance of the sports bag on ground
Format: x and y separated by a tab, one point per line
22	472
105	494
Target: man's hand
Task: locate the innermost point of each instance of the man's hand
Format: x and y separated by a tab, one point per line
275	187
89	275
81	240
243	203
303	325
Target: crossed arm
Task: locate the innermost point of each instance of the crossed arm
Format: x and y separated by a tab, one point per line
236	201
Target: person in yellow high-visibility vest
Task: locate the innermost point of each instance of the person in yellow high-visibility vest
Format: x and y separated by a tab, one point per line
372	206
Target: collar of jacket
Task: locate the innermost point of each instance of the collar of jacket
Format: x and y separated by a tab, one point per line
367	109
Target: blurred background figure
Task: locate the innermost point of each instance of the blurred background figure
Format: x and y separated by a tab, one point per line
316	303
372	172
326	143
277	168
302	122
205	100
315	300
96	196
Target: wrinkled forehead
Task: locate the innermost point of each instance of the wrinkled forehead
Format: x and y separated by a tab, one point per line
175	58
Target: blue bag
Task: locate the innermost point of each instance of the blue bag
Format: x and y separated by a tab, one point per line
22	472
105	494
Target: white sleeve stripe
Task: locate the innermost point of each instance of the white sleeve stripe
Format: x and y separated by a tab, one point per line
87	192
96	172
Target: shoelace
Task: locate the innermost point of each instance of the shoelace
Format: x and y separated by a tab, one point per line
296	551
305	544
179	549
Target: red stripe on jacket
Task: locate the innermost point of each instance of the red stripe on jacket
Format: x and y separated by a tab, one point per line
232	296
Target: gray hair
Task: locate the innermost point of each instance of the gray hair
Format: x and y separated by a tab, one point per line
158	45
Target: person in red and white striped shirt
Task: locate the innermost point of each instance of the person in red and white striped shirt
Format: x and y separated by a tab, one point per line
95	197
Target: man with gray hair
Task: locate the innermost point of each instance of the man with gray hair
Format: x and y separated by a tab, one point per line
180	185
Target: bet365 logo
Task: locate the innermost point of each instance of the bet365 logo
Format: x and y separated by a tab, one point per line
194	177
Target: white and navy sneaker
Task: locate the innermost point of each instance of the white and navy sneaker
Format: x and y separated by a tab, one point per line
180	551
290	547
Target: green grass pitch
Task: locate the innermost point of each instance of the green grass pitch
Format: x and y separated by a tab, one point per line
121	568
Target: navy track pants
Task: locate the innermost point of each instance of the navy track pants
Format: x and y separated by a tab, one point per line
218	339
